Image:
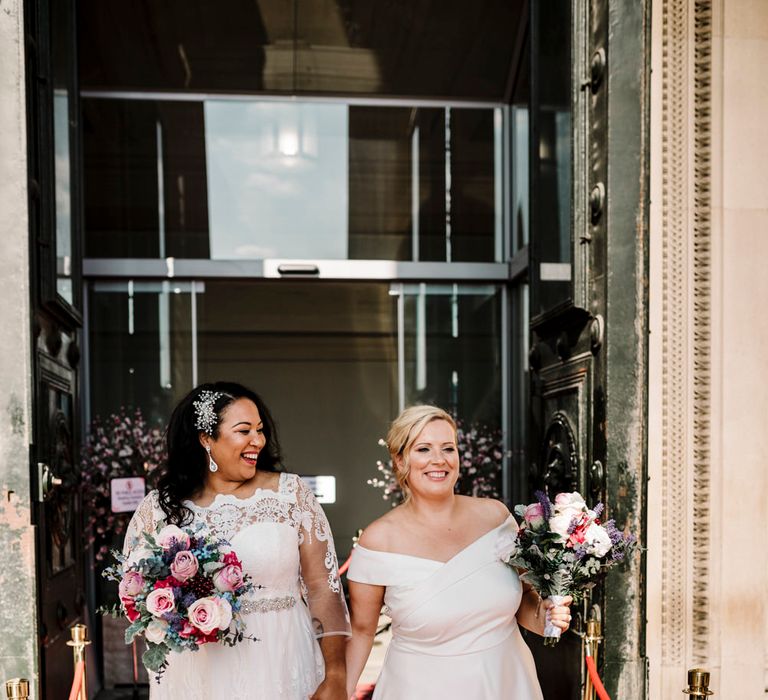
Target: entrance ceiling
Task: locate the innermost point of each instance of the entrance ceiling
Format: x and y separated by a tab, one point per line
420	48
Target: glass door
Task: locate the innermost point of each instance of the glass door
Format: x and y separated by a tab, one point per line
335	362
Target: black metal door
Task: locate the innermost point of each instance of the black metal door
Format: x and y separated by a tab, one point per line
60	555
588	273
54	224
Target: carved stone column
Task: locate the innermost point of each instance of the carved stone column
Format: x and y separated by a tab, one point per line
707	369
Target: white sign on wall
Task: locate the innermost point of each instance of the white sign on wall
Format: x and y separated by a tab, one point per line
126	493
324	487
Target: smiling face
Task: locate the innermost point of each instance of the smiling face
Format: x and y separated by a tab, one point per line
432	461
238	443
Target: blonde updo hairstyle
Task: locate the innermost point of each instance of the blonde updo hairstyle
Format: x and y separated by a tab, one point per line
403	433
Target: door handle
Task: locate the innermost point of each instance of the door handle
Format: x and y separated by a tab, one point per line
298	269
46	481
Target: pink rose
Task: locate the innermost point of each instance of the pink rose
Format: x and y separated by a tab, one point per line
171	535
534	516
184	565
209	614
228	578
131	584
161	601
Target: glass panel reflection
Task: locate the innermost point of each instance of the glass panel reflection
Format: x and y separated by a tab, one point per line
62	48
521	145
401	48
277	180
245	179
140	346
453	349
63	194
325	356
551	104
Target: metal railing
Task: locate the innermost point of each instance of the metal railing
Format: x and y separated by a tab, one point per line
698	678
78	643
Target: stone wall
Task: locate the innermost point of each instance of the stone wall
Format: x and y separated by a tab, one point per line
18	617
707	519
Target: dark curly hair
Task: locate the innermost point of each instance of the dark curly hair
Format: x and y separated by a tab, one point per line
183	473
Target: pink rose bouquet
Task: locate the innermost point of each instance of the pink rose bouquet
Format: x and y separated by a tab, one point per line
562	548
179	591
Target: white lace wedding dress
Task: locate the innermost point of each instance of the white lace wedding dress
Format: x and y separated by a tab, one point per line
285	543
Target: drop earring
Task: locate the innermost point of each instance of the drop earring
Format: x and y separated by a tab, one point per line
212	466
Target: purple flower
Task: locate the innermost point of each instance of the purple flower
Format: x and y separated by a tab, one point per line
542	498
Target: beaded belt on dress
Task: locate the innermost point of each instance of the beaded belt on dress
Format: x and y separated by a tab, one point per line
262	605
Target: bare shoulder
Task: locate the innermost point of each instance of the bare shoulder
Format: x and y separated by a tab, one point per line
489	511
381	534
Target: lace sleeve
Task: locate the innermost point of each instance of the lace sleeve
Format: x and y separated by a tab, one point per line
320	568
145	519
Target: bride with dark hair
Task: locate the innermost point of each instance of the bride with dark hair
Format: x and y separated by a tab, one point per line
224	471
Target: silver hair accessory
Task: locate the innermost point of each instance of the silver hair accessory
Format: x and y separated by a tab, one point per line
211	464
205	416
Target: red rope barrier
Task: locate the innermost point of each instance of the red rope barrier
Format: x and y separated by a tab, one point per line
77	681
596	682
343	568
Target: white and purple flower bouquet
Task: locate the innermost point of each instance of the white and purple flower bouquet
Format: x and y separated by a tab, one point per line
179	589
562	548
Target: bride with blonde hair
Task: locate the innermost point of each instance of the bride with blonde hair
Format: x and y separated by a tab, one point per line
455	607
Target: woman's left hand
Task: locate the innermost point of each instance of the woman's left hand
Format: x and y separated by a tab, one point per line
559	615
333	688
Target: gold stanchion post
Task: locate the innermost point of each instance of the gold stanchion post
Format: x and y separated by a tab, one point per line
592	638
78	643
698	684
17	689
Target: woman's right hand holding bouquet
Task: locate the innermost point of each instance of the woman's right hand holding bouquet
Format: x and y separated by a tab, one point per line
560	550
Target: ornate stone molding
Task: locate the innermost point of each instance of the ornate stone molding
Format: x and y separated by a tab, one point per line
702	318
675	158
686	328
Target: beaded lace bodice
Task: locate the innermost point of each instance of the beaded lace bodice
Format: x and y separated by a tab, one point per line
283	539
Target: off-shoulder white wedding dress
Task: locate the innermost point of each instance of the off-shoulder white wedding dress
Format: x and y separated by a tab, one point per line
454	631
285	543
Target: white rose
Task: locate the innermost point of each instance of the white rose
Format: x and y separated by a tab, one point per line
569	500
560	524
156	631
597	540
